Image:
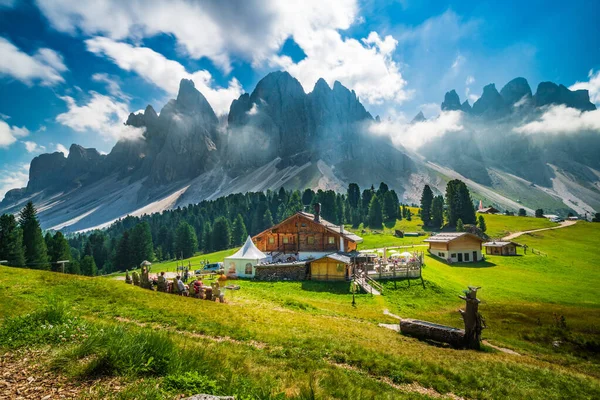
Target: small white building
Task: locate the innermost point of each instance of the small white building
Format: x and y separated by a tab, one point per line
456	246
243	263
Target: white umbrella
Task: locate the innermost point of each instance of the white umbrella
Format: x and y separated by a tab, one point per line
406	254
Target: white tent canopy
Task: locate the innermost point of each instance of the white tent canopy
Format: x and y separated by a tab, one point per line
242	263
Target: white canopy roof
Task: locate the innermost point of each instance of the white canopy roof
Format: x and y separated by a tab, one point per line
248	252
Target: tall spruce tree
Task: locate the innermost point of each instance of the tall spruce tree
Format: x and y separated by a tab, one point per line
307	197
123	257
238	231
460	227
437	212
36	254
60	251
141	244
88	266
186	242
221	234
390	206
481	223
375	213
206	238
353	195
460	204
426	202
11	241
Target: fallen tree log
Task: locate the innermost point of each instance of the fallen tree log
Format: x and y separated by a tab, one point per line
431	331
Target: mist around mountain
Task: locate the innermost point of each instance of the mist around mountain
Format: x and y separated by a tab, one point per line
505	146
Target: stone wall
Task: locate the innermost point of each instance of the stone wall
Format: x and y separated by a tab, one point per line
280	272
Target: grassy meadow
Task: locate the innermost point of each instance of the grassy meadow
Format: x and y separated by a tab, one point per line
305	340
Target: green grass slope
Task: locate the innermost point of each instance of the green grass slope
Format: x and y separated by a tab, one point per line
306	340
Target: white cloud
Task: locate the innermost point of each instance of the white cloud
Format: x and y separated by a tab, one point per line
562	119
470	80
62	149
15	176
44	66
112	85
10	134
430	109
101	114
164	73
33	147
252	30
459	61
416	135
365	66
593	86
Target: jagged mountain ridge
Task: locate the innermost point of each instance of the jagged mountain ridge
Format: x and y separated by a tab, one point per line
278	135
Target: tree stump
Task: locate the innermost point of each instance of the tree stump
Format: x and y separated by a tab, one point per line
127	277
474	322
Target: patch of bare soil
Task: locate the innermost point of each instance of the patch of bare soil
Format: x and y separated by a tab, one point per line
24	375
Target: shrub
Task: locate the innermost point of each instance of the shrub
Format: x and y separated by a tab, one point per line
50	325
190	383
115	351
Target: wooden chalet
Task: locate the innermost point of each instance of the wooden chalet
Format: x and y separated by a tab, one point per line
456	246
501	248
307	234
488	210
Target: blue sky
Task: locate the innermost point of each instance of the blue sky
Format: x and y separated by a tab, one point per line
71	70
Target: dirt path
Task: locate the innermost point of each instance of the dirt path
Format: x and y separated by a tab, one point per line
563	224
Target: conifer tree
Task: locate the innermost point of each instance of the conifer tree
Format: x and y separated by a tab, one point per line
522	212
206	238
186	241
307	197
221	234
238	232
459	225
36	255
60	251
88	266
481	223
141	244
426	202
390	206
437	212
375	213
267	219
11	241
353	195
123	256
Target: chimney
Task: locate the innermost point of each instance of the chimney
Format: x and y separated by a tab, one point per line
317	212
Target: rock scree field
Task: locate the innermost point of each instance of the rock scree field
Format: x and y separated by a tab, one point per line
100	338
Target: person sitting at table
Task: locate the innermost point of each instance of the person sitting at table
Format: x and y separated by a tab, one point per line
180	286
197	286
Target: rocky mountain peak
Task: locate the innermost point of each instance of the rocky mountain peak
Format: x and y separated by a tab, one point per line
451	101
321	86
418	118
550	93
516	90
490	103
190	100
46	170
466	107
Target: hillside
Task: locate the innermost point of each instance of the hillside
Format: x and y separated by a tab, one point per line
305	340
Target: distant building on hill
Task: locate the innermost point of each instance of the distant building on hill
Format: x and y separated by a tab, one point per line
488	210
501	248
456	246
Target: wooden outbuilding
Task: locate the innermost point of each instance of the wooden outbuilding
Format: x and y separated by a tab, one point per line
501	248
456	246
307	235
332	267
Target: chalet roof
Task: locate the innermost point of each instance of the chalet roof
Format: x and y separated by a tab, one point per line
500	244
337	257
333	227
488	210
326	224
446	237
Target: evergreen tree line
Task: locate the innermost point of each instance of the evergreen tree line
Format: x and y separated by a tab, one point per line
208	226
455	208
